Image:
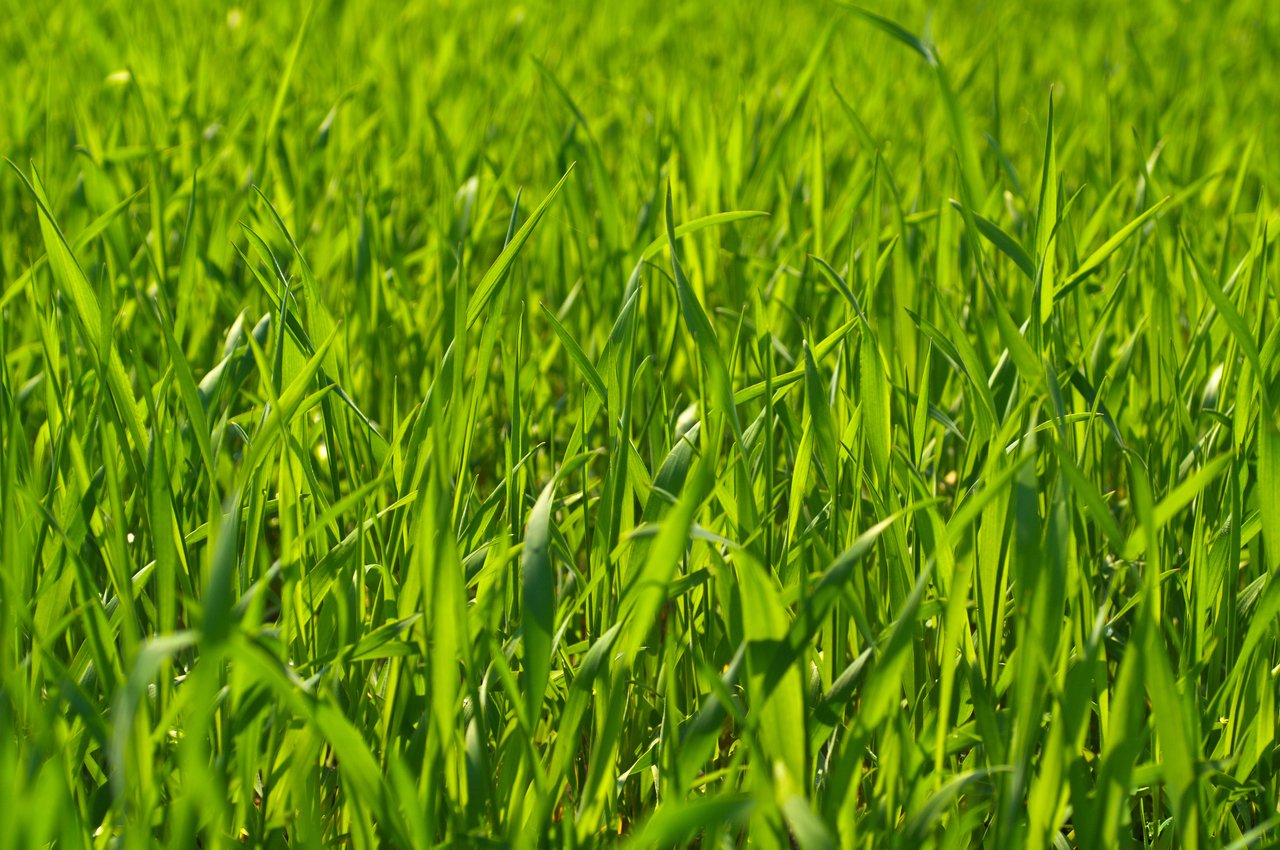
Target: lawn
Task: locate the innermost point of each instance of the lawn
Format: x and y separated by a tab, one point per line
639	424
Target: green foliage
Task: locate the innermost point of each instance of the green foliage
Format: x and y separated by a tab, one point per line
569	425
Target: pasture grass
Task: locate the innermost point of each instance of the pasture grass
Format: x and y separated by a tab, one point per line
567	425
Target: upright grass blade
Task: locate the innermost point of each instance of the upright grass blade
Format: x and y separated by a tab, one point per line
497	272
703	336
1047	222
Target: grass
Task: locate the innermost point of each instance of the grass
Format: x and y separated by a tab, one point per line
553	426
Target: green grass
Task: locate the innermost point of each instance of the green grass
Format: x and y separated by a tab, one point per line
670	424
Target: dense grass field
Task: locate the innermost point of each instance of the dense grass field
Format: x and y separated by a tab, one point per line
706	424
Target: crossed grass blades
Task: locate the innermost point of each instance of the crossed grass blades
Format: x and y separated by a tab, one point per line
857	434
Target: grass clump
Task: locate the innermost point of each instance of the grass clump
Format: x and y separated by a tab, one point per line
547	425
